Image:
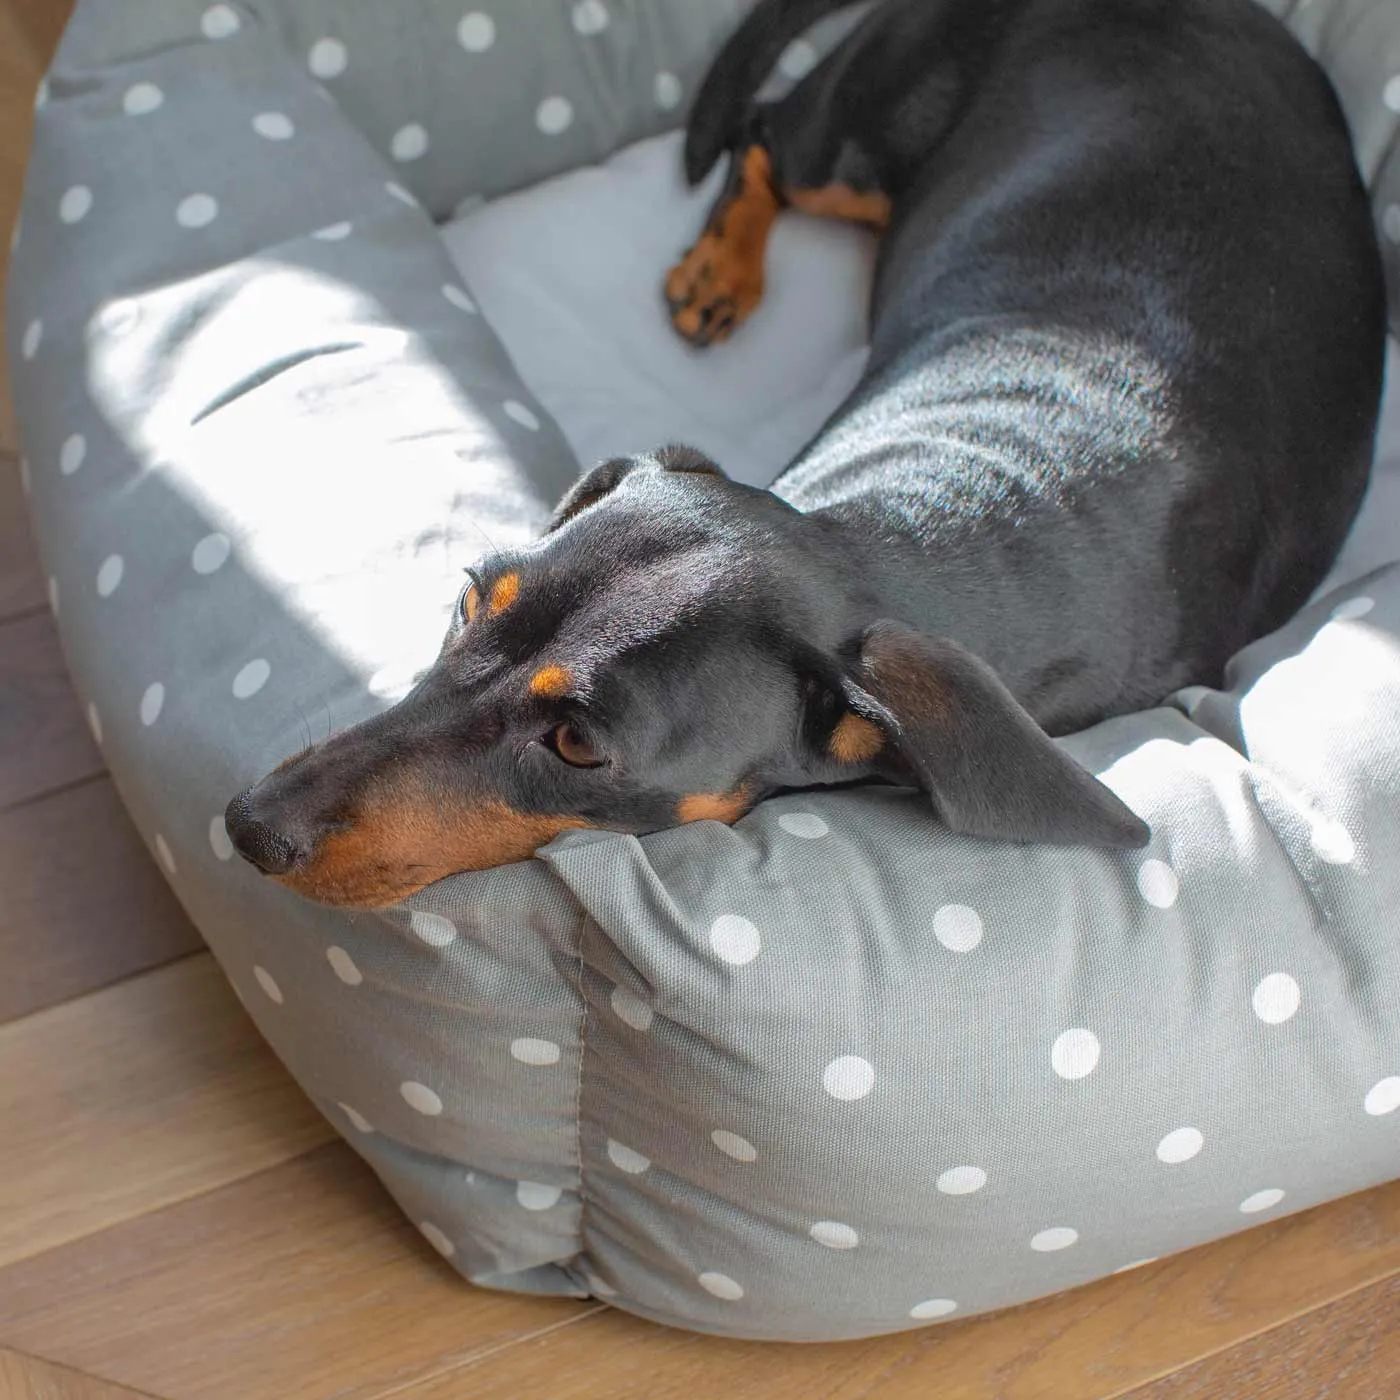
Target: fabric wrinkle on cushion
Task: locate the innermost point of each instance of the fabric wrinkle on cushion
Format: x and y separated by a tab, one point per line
830	1072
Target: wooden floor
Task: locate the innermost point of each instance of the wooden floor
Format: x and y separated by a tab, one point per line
176	1221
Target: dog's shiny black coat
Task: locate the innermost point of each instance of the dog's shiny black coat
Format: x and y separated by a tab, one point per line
1127	338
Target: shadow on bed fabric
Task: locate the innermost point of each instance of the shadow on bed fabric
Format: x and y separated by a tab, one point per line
829	1073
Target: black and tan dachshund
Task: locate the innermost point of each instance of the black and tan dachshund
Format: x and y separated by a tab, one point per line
1126	349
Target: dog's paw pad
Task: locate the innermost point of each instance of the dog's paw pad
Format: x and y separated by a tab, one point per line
710	292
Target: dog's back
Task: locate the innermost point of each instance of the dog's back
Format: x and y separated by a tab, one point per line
1127	342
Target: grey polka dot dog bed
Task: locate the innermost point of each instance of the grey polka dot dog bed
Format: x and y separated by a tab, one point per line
831	1072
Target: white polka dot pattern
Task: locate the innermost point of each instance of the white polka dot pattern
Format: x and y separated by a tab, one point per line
1276	998
834	1234
75	204
274	126
532	1051
1180	1145
220	22
931	1308
535	1195
1056	1238
626	1159
732	1145
1383	1097
554	115
436	930
140	99
735	940
420	1098
1261	1200
327	59
1075	1053
197	211
848	1077
630	1009
343	965
721	1286
409	143
1158	883
476	32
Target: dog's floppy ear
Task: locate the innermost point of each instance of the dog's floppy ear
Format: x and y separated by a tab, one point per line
605	478
961	735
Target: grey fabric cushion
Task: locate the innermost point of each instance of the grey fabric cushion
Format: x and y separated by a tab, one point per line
828	1073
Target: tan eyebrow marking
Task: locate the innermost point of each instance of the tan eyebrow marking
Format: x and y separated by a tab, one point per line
855	740
471	604
713	806
550	680
504	592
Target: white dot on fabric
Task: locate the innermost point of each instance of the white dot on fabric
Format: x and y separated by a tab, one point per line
219	22
343	965
476	32
626	1159
962	1181
668	91
834	1235
109	575
141	99
535	1195
152	700
218	838
1075	1053
196	211
71	454
434	929
269	985
531	1051
29	342
735	940
94	722
933	1307
120	317
327	58
437	1239
1136	1264
251	678
807	825
1157	883
274	126
1352	608
1332	842
1180	1145
1390	222
53	594
732	1145
628	1007
590	17
1383	1097
515	409
1276	998
1391	94
957	927
333	233
401	194
721	1286
41	94
166	855
420	1098
1057	1237
1261	1200
409	143
210	554
848	1077
75	204
358	1121
797	60
554	114
458	297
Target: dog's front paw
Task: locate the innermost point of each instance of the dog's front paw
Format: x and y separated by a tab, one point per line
710	291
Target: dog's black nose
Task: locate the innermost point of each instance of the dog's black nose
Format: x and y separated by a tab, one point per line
273	852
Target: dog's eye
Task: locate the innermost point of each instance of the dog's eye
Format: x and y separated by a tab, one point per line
573	748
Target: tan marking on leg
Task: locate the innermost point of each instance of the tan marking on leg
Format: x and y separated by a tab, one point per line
720	280
551	680
404	838
842	202
713	806
504	592
855	740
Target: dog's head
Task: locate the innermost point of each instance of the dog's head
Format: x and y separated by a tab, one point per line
675	648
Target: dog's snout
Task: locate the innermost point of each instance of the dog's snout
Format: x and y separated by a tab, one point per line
273	851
